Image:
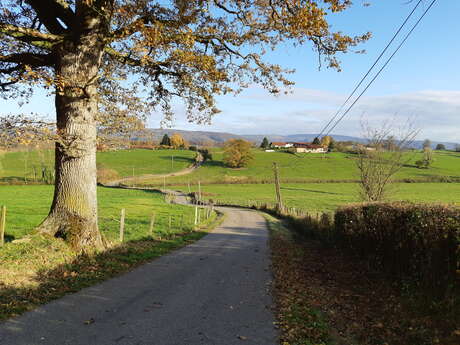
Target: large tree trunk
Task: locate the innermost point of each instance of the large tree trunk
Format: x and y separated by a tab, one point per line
73	214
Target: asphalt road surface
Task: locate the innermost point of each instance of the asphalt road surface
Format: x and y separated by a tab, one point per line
213	292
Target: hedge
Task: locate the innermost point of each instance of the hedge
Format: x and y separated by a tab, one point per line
418	242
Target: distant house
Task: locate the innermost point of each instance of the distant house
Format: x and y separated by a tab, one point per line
309	148
281	145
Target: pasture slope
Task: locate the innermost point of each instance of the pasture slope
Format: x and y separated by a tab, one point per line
26	164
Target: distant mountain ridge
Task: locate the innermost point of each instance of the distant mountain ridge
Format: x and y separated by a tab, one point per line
216	138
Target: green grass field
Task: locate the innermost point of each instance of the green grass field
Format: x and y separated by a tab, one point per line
139	162
293	168
317	197
28	205
309	168
17	165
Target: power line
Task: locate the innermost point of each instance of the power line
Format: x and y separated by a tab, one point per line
383	67
371	68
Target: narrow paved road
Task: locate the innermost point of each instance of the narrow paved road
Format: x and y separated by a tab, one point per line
213	292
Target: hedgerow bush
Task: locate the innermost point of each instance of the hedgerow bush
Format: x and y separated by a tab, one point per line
415	241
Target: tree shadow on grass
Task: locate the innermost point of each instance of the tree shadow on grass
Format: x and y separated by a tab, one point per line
9	238
311	191
214	163
177	159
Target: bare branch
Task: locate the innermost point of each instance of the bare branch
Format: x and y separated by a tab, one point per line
30	59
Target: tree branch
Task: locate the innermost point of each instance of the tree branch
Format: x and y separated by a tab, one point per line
49	11
30	59
32	36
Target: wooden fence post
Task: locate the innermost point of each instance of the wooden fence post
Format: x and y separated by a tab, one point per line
2	225
152	223
122	225
196	215
279	199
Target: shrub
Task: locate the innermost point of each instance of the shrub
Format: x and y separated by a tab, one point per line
207	156
409	241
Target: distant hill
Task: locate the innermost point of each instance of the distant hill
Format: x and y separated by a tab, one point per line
217	138
193	137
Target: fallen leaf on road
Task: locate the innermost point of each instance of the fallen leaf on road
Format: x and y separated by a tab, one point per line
89	322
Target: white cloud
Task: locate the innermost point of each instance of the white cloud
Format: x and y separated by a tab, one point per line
436	113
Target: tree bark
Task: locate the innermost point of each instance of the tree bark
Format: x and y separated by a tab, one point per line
73	214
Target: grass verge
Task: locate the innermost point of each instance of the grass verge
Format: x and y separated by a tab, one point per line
43	269
325	297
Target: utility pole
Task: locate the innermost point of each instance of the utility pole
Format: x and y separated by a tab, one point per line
279	200
172	163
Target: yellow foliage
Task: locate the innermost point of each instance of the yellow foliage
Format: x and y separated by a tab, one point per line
237	153
177	141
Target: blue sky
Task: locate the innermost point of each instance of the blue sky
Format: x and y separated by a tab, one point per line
422	81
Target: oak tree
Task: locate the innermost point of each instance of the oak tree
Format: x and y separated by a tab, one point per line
127	58
177	141
237	153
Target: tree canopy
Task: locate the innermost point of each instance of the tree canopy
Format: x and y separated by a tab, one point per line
166	140
177	141
193	49
237	153
264	144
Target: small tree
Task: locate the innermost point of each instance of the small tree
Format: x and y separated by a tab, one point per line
378	165
166	141
332	145
265	144
326	140
237	153
440	147
427	143
177	141
316	141
427	160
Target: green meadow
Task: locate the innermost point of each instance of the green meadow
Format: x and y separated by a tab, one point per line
307	167
29	164
302	177
27	206
318	197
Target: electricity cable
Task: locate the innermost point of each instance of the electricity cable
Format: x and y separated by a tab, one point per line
383	67
371	68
